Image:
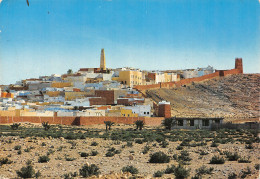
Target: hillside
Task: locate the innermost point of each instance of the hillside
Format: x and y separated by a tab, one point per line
234	96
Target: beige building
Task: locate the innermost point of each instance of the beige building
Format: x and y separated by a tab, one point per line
129	77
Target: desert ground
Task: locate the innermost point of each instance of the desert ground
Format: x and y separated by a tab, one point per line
69	148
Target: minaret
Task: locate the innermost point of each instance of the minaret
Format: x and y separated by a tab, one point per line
102	60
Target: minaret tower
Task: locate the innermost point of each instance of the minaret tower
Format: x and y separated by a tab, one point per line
102	60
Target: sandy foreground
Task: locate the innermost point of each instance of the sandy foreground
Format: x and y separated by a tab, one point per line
62	150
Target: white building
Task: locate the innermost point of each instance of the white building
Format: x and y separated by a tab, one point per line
90	112
141	110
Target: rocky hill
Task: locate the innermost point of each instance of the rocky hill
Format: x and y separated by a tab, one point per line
234	96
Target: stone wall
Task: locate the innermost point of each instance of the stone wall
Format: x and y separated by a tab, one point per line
150	121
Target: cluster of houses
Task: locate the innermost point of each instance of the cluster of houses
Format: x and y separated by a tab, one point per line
88	92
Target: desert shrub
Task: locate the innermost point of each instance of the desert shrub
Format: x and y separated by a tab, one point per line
43	144
19	152
181	172
214	144
164	144
89	170
257	166
203	152
15	126
138	141
232	176
70	136
28	171
246	172
170	169
160	138
131	169
159	157
185	156
73	144
139	124
244	160
203	170
175	156
60	148
185	143
94	153
94	144
69	158
201	144
27	150
110	154
5	161
146	149
46	125
84	154
217	160
112	151
129	144
70	175
117	151
158	174
43	159
249	146
196	177
17	147
50	151
232	156
179	147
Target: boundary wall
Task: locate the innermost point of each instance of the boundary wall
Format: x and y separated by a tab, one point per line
150	121
218	73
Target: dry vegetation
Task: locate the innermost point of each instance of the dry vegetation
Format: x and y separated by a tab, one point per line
74	152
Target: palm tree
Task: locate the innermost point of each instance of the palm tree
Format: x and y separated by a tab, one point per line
69	71
46	125
139	124
108	124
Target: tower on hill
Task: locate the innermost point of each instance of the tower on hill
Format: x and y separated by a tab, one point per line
102	60
239	65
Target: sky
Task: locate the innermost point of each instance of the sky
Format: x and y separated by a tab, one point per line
51	36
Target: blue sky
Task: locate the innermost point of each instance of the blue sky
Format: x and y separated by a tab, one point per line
52	36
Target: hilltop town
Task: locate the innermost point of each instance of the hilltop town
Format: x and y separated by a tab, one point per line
128	123
96	92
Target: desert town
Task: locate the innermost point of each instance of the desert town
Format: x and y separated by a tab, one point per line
129	123
99	92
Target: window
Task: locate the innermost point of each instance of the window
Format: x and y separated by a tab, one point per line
217	121
205	122
125	82
128	115
144	112
191	122
147	112
180	122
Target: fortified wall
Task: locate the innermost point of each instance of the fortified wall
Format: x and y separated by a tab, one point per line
150	121
218	73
